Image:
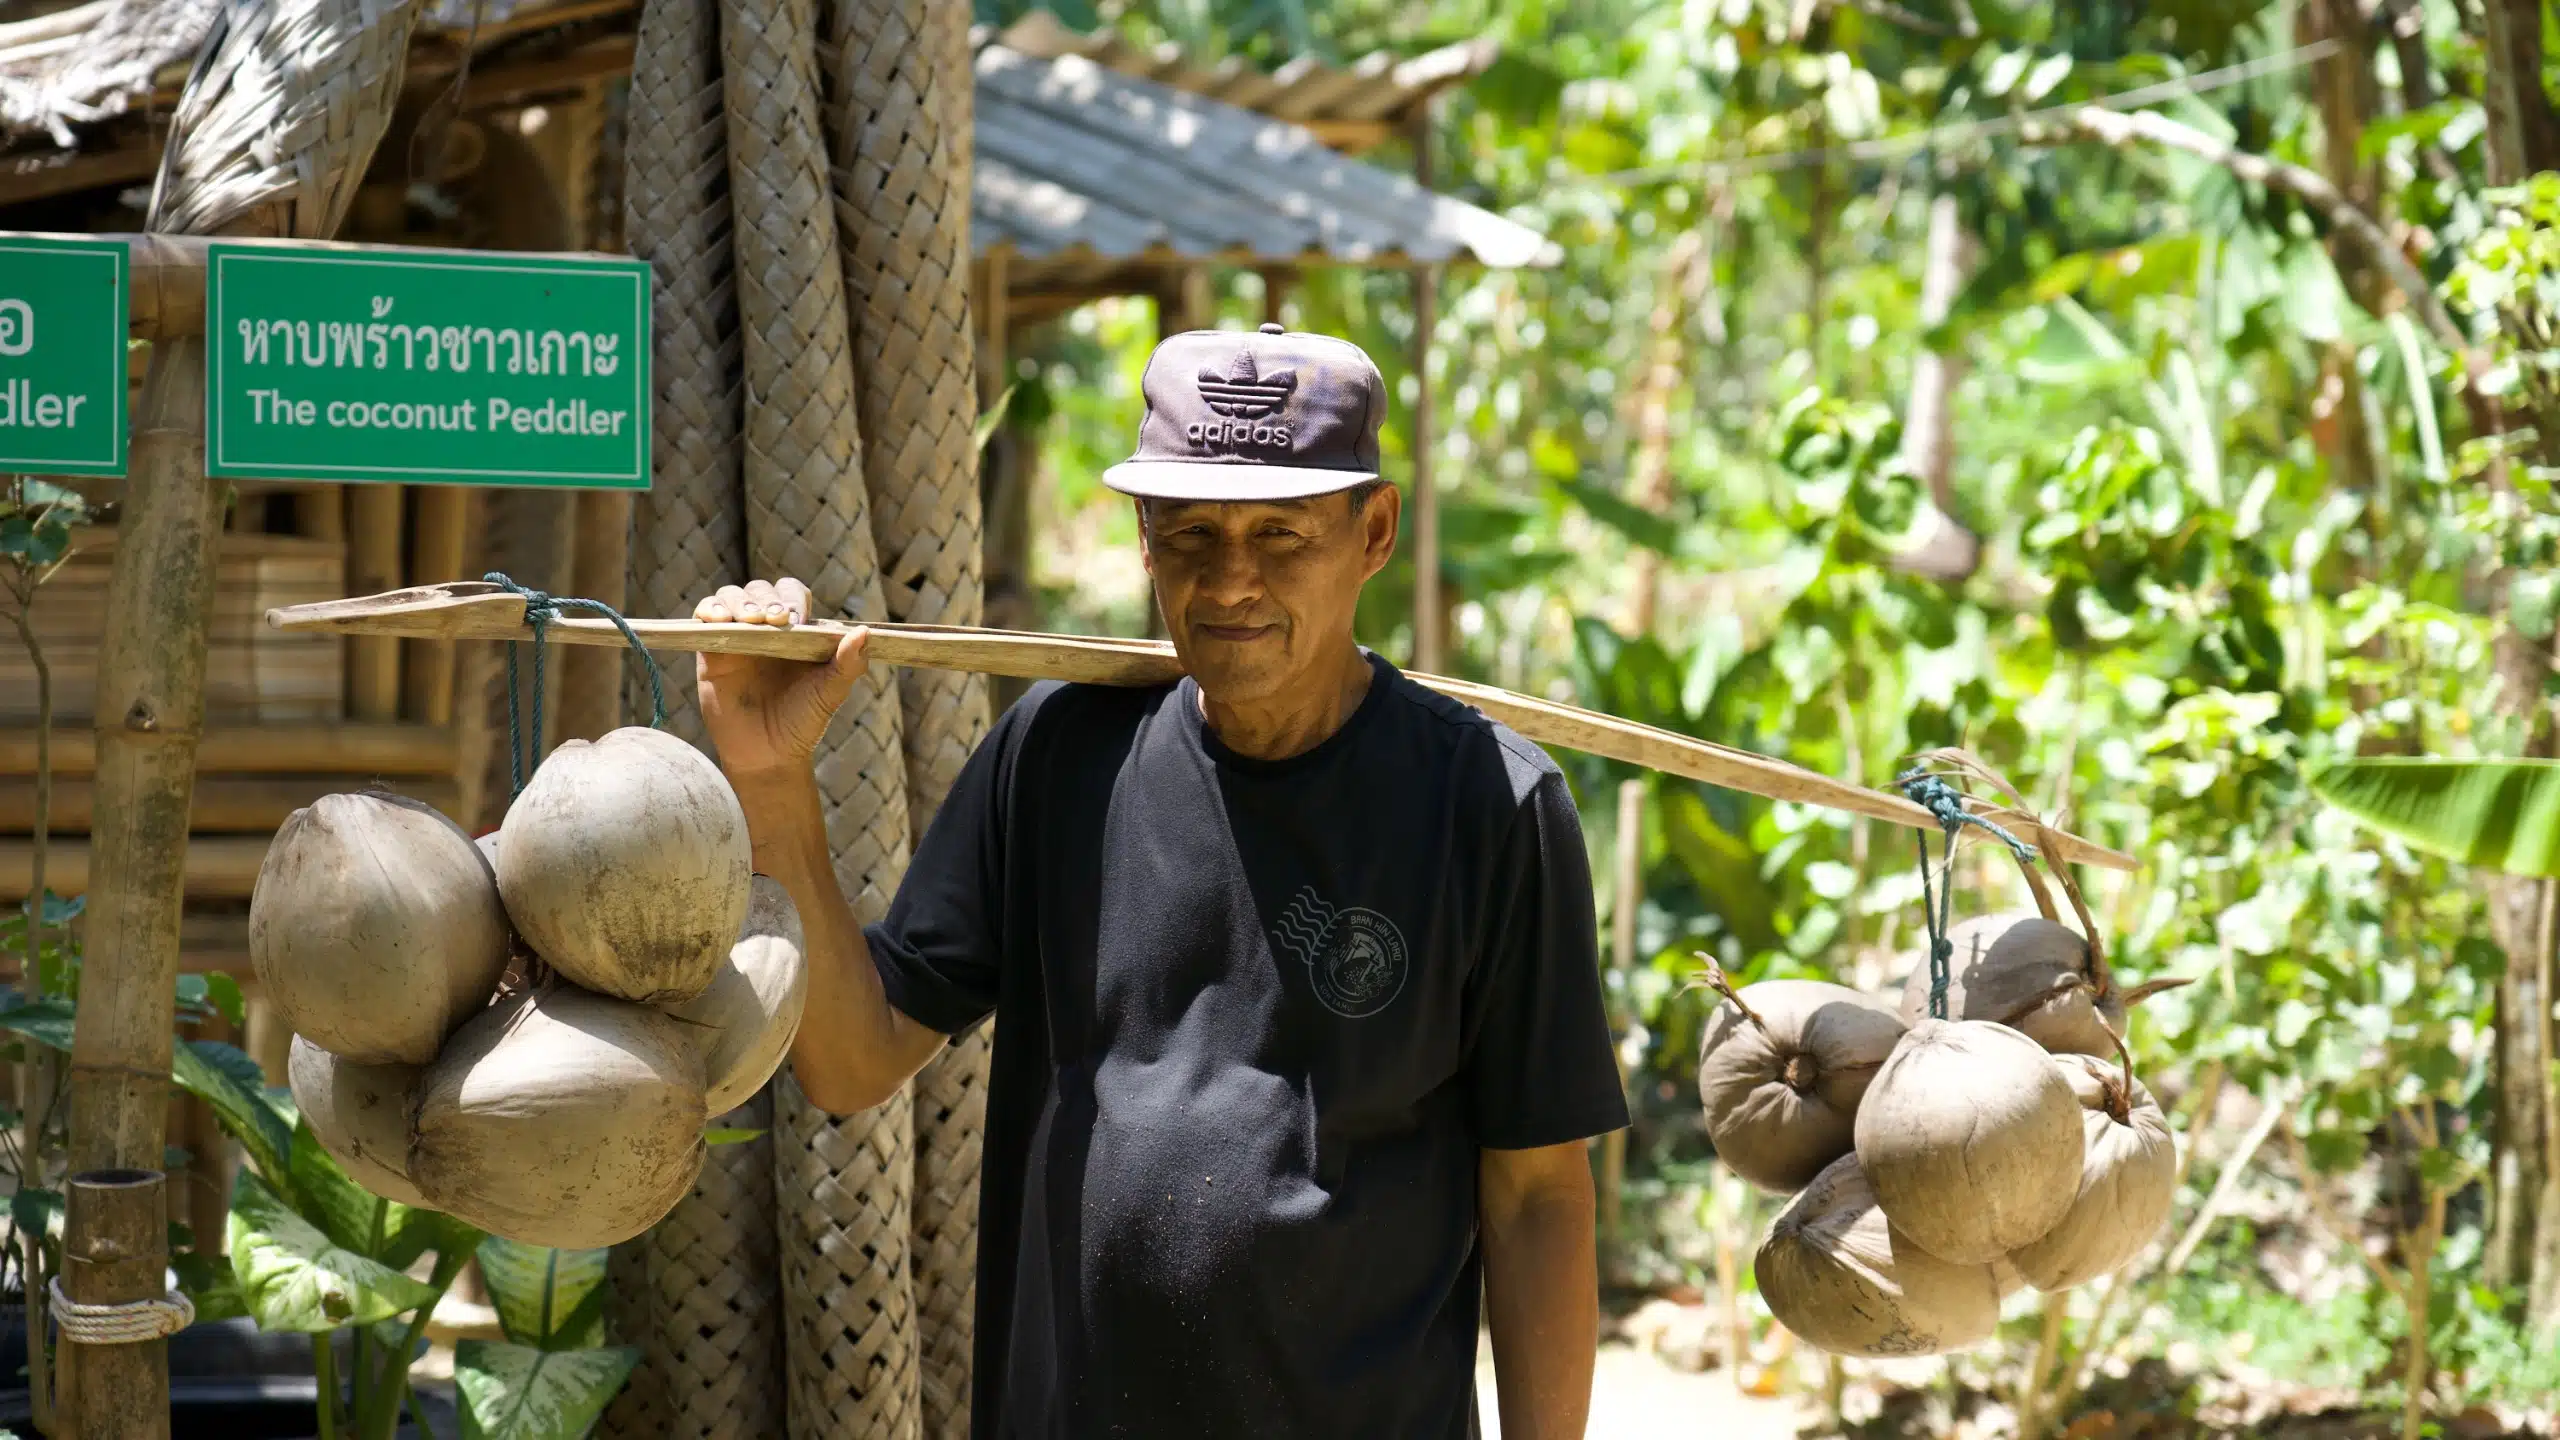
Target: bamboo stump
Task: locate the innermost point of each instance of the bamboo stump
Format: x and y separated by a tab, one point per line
117	1252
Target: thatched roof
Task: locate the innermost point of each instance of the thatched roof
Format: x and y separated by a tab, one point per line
1099	165
1084	172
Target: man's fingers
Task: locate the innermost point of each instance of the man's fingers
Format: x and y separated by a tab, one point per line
851	659
794	597
726	604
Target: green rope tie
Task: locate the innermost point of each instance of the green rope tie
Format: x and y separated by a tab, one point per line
1942	800
541	609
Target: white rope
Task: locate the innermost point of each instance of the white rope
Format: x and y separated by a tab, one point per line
128	1322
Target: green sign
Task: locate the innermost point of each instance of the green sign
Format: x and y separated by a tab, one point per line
62	349
429	367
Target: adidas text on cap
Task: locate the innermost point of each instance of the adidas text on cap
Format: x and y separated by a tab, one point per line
1268	415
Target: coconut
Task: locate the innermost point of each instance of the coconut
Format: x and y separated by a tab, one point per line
2036	976
1781	1072
375	927
1836	1271
625	865
750	1014
561	1118
361	1114
1971	1137
2128	1177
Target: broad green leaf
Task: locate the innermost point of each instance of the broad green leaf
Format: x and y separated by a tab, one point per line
728	1135
515	1392
1639	525
36	1211
294	1278
47	1021
330	1198
1721	865
2499	814
223	992
547	1299
228	1080
208	1281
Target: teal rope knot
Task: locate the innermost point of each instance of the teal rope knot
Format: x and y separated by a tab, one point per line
540	609
1945	802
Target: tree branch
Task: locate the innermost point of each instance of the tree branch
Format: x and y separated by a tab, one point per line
2121	129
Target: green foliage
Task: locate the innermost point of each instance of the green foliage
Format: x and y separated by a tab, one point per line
2497	814
294	1277
553	1376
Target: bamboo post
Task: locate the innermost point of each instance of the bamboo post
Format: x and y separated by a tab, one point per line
116	1253
600	554
288	99
437	551
1429	645
373	559
1629	892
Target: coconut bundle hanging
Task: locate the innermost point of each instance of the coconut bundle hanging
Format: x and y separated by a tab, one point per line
1984	1133
559	1099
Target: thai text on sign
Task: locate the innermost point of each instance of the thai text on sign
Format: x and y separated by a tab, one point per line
432	366
62	355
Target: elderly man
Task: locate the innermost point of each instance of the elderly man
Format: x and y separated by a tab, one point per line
1299	1030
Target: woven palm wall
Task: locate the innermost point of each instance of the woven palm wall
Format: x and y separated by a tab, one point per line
798	179
701	1293
842	1182
897	95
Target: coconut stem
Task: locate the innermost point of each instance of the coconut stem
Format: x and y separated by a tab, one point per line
2098	973
2119	1098
1723	986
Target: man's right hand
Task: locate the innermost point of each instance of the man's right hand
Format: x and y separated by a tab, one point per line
765	717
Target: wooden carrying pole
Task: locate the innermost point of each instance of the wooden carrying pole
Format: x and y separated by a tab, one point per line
479	611
279	119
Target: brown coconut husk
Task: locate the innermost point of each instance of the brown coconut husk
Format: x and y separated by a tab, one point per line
2032	973
746	1021
625	865
375	927
562	1118
1781	1071
361	1114
2128	1179
1836	1271
1972	1139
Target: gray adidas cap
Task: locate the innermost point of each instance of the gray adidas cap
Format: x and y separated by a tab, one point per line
1265	415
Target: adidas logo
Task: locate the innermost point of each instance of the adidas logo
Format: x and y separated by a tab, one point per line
1243	396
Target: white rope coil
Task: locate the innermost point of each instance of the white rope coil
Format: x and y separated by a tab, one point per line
128	1322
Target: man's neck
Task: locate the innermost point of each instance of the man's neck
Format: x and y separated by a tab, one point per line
1303	717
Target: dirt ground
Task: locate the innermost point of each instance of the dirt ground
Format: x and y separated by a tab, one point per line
1637	1395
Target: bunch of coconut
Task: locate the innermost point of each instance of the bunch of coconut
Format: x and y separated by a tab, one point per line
1938	1165
531	1031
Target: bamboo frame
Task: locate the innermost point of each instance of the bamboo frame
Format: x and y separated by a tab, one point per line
328	748
479	611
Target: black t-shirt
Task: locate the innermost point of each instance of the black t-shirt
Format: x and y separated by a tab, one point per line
1254	1020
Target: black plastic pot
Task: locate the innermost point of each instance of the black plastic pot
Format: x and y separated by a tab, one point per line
227	1381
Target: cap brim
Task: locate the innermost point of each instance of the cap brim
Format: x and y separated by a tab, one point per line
1178	480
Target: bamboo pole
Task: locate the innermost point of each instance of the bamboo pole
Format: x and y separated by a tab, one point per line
437	551
600	558
478	611
322	749
373	562
1429	645
117	1252
222	803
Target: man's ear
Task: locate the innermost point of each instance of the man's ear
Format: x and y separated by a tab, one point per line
1380	519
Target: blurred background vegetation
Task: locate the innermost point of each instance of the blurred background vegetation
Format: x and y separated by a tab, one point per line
1898	390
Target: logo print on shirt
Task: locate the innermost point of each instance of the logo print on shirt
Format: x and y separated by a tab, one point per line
1355	958
1247	398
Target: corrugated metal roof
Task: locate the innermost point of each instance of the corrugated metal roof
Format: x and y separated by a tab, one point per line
1079	162
1351	102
